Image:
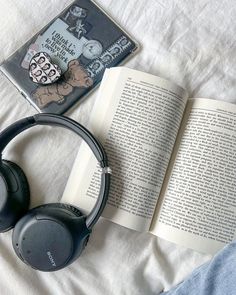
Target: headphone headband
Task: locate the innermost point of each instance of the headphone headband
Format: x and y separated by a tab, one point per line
51	119
55	120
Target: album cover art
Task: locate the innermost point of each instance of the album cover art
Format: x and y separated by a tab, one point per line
82	42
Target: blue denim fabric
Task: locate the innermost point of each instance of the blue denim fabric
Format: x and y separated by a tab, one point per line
217	277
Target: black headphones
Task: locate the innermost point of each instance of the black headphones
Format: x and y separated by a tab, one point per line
51	236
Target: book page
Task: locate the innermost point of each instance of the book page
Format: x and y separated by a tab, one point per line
198	209
136	118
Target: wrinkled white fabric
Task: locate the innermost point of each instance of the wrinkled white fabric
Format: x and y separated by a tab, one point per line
189	42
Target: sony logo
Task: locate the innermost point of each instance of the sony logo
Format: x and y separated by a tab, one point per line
51	258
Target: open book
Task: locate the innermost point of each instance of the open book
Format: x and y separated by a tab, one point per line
173	161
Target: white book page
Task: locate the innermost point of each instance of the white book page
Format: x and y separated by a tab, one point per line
136	118
198	207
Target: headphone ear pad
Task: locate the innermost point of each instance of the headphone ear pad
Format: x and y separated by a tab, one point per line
14	194
69	209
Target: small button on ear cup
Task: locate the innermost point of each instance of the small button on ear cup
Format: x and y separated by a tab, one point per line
14	194
71	208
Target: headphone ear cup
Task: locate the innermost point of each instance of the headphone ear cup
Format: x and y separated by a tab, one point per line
50	237
14	194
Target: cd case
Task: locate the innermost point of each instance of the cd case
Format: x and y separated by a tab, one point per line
83	41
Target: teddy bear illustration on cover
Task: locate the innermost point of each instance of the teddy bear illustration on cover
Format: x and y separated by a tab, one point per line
75	76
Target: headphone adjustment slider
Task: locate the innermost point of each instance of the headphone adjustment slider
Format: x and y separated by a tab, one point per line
106	170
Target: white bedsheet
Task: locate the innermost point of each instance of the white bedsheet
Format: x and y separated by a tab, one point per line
189	42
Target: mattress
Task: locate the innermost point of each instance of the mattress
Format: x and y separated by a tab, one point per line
191	43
